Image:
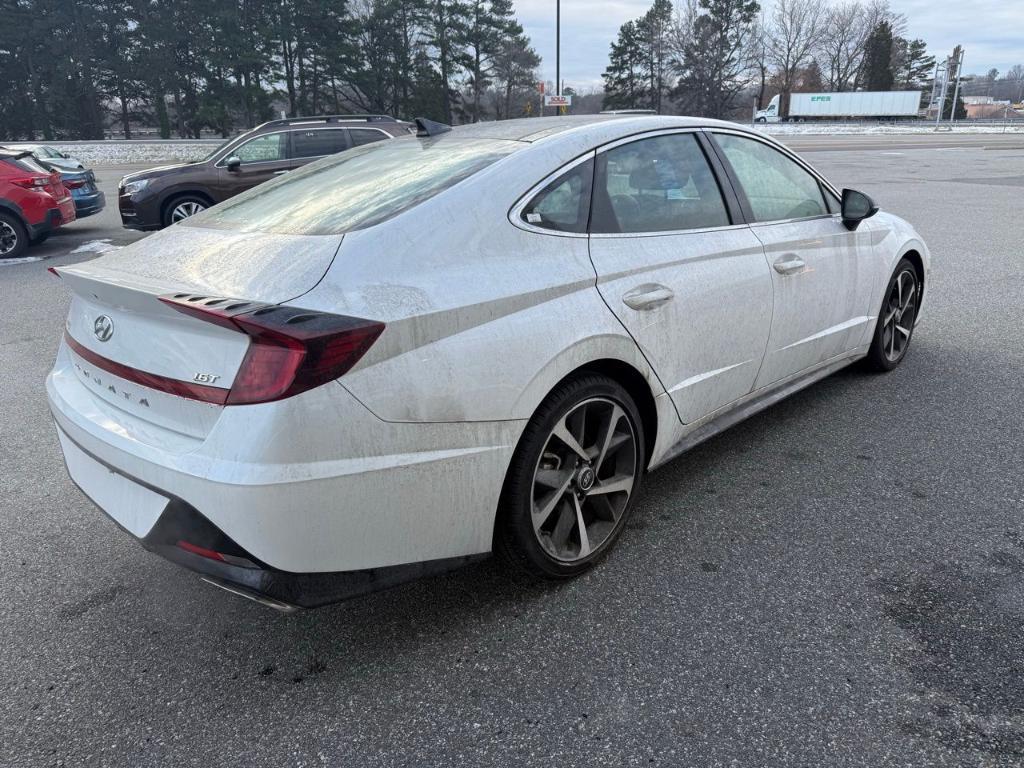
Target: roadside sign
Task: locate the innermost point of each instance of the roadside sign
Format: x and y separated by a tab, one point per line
552	100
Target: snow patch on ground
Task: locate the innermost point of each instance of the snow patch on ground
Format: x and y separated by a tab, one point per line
136	152
22	260
97	246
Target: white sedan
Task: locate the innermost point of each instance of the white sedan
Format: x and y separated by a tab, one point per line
415	353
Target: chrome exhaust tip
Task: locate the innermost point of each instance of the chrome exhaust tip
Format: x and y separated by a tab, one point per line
269	602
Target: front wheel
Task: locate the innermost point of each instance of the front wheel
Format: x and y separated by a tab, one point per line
572	480
183	207
895	325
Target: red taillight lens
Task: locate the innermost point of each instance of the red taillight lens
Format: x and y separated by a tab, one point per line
211	554
290	350
201	551
74	183
32	182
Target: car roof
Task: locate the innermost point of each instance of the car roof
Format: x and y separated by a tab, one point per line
535	129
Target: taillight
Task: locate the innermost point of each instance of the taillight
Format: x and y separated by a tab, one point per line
74	183
290	350
32	182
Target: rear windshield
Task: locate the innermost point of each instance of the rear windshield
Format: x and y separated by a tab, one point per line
355	189
27	163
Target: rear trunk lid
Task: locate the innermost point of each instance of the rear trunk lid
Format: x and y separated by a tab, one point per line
119	331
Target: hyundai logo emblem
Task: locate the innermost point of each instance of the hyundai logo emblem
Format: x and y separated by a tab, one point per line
103	328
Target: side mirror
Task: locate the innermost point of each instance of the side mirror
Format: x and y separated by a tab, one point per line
856	207
65	155
233	163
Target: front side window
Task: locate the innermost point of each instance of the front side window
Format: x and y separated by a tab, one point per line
355	189
776	187
661	184
564	204
318	142
262	149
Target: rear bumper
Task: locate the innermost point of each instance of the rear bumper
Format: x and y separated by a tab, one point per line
89	203
241	573
54	218
310	486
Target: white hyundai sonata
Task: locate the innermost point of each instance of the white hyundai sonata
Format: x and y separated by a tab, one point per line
414	353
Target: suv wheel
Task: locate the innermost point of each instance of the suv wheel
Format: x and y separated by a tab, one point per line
13	237
182	207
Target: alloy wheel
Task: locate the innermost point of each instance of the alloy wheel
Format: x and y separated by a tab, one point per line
8	238
584	478
185	209
898	319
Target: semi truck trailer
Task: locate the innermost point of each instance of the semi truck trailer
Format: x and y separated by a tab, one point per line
836	106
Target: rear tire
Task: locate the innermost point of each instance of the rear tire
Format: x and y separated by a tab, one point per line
572	480
13	237
895	325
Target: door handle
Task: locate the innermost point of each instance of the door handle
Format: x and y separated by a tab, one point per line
647	296
788	263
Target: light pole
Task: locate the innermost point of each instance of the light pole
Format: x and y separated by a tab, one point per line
558	47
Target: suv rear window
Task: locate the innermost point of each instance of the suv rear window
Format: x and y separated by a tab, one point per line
26	163
316	143
355	189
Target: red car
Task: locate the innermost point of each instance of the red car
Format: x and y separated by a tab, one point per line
33	203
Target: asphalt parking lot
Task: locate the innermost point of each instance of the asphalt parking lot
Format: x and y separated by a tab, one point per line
838	581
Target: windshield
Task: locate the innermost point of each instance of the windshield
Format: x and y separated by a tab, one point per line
218	148
355	189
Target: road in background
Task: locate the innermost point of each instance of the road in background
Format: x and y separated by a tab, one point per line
837	581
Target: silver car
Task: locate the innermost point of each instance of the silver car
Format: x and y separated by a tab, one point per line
62	161
412	354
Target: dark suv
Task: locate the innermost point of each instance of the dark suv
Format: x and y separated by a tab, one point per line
159	197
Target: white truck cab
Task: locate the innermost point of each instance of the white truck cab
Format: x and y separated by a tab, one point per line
769	114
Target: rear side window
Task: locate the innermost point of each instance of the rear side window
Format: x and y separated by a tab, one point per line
263	149
362	136
564	204
776	187
355	189
318	143
661	184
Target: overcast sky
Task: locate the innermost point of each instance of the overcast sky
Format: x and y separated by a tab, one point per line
991	31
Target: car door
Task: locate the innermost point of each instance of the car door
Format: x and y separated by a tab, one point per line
680	270
263	157
821	288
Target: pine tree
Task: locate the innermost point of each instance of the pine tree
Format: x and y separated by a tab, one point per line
714	54
491	23
878	58
624	81
446	31
913	64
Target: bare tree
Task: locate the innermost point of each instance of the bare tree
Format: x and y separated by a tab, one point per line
794	34
839	56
